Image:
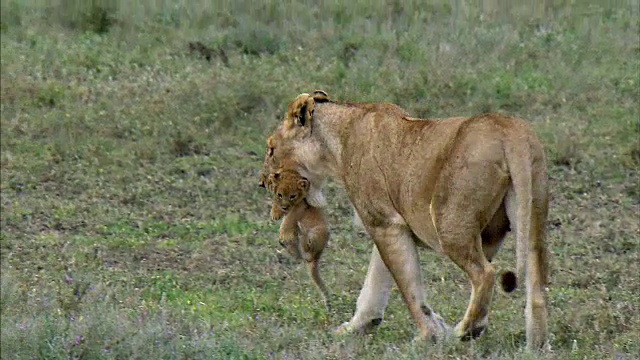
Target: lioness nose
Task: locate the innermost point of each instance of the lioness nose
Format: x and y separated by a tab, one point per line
261	183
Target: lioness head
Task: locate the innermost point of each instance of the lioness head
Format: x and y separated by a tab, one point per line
289	187
283	146
296	126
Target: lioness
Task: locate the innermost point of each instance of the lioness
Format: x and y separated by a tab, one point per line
456	186
304	230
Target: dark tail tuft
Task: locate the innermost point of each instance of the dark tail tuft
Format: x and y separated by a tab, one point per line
508	281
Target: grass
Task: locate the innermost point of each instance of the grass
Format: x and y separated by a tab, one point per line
132	224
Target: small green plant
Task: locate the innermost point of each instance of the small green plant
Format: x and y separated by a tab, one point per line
254	38
97	16
132	225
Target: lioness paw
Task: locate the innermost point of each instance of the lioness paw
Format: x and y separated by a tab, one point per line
344	329
365	328
465	332
438	332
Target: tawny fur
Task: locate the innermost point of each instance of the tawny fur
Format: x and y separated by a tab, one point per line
304	231
456	186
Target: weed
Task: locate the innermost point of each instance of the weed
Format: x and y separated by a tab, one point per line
131	222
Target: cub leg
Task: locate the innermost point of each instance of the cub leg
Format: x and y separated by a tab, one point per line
289	235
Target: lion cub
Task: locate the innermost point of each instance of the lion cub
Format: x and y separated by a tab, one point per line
304	231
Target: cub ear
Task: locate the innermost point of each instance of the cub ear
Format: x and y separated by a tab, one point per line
303	184
320	96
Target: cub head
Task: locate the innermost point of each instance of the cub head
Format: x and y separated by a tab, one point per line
289	187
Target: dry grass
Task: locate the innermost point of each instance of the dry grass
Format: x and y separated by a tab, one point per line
132	224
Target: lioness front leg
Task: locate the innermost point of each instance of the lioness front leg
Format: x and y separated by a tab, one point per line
373	298
398	251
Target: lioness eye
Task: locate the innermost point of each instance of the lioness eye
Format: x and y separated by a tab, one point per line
279	196
292	197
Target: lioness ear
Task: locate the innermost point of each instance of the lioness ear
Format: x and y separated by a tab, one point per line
306	112
320	96
300	112
303	184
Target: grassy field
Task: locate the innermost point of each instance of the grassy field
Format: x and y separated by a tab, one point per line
132	223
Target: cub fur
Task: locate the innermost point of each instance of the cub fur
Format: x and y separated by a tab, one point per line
304	231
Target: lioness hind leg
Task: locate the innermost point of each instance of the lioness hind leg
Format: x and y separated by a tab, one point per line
494	233
462	212
468	255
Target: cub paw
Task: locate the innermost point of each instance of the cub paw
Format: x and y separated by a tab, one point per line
276	214
292	248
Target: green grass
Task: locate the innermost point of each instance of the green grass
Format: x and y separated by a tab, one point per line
132	223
